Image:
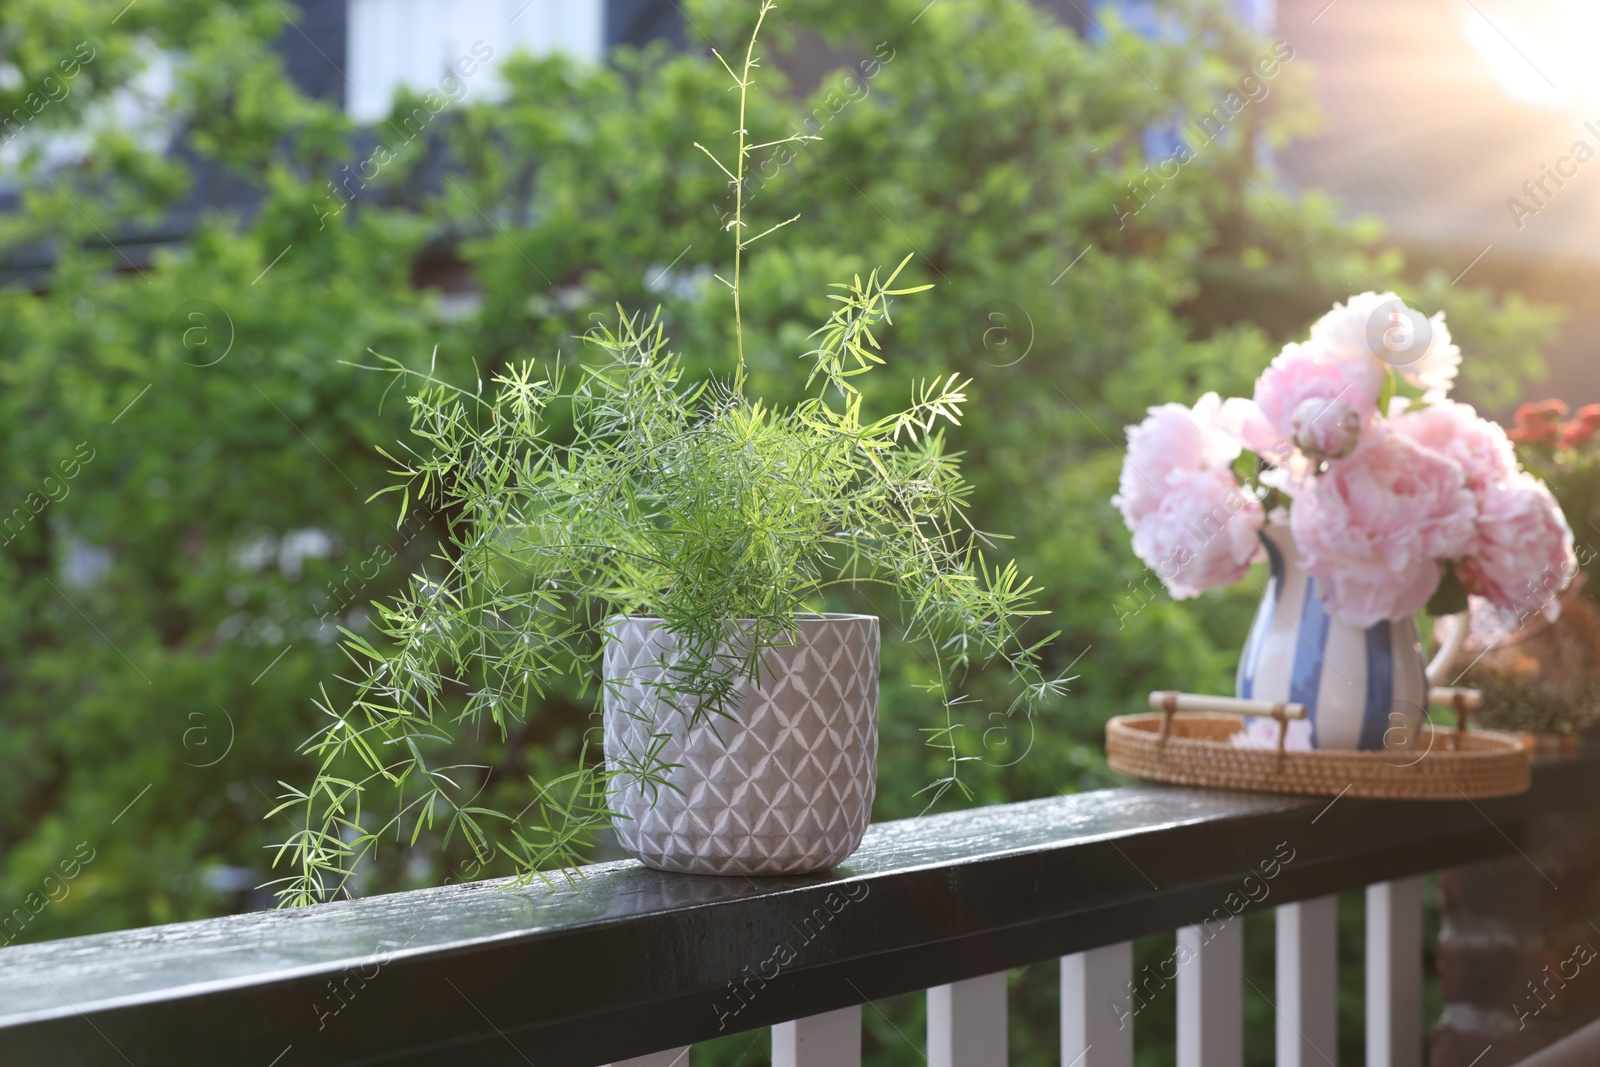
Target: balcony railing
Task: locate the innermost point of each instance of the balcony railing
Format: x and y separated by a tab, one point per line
632	962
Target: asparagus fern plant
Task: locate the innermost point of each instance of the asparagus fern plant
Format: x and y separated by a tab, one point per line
620	486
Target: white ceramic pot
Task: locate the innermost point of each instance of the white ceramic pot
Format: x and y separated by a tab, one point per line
1362	688
783	785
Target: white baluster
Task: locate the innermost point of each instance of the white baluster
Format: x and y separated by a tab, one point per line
1097	1007
967	1023
1308	983
1394	973
1211	994
832	1039
672	1057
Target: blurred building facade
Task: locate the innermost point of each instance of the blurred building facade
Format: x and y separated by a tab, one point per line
358	53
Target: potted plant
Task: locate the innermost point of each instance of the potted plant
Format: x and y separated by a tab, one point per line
1538	674
669	543
1373	496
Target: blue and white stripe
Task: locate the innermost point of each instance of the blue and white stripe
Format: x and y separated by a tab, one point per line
1363	689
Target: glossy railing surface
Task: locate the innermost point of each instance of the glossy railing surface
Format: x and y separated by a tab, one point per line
626	961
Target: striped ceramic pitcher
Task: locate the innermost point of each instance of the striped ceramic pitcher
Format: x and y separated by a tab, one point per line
1362	689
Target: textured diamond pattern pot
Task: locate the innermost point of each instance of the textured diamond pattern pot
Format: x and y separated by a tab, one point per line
784	786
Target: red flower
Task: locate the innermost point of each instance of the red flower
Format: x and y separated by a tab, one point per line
1582	428
1539	424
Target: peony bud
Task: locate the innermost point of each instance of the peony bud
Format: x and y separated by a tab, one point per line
1325	429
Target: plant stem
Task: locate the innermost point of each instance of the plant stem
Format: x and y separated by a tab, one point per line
736	177
738	193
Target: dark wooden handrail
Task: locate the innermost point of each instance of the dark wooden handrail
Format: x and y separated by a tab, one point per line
632	960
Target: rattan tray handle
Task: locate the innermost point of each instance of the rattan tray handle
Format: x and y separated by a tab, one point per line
1170	703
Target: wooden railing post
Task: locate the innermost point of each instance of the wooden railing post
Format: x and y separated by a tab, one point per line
1394	973
1097	1007
1211	994
832	1039
967	1022
1308	983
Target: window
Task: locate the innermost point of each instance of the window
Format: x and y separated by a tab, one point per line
416	43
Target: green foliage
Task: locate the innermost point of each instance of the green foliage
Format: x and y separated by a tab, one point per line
183	469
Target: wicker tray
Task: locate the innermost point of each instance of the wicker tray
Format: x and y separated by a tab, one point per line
1196	751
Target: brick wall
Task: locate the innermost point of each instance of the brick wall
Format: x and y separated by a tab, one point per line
1519	946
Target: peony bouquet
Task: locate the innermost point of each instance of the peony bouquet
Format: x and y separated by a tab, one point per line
1396	495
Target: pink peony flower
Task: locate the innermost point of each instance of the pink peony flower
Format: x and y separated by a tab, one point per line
1381	326
1480	446
1173	439
1326	429
1373	528
1204	534
1310	372
1243	420
1347	327
1436	369
1523	557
